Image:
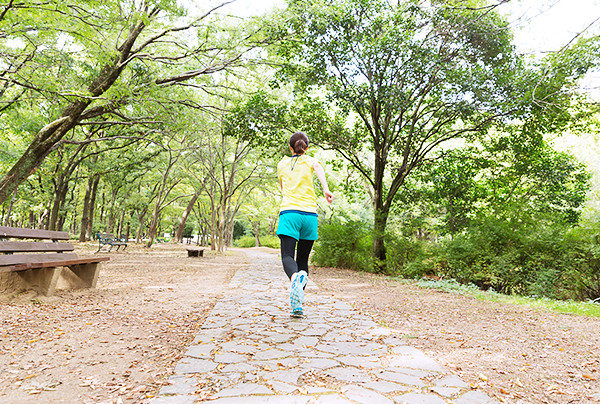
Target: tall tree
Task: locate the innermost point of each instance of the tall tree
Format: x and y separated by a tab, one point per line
124	50
405	78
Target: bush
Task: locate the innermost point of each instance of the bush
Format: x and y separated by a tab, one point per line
265	241
405	257
345	245
526	259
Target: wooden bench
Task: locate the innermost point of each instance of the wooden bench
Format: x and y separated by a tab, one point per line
195	252
111	241
40	264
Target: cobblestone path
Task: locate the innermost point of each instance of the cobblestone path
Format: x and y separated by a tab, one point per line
249	350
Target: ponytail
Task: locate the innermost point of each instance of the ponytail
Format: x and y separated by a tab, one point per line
299	142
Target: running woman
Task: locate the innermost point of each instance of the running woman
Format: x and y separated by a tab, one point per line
298	221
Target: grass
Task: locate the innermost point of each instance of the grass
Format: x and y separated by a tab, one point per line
590	309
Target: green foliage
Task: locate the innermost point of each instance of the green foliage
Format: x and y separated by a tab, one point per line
521	258
404	255
345	245
238	229
265	241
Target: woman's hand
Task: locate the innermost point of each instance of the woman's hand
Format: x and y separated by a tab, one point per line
328	196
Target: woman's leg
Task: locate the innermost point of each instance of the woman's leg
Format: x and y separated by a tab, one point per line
304	248
288	252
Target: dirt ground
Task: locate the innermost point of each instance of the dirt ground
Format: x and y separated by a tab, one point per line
514	353
119	343
114	344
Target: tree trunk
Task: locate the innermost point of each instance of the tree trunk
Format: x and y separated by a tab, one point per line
90	229
152	228
42	218
60	195
31	219
10	206
256	238
183	219
379	250
121	221
85	215
111	213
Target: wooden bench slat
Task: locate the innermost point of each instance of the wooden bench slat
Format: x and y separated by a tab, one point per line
17	232
25	246
52	264
15	259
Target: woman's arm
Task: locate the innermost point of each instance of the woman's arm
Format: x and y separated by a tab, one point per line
321	176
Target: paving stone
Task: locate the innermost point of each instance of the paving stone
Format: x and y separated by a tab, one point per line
314	331
318	390
416	360
352	348
276	363
192	365
173	400
238	367
452	381
417	398
409	371
244	389
365	396
349	374
180	385
201	351
360	361
230	357
315	354
401	378
278	338
474	397
263	400
333	399
214	323
281	387
320	363
286	376
242	347
446	391
271	354
306	341
385	386
206	336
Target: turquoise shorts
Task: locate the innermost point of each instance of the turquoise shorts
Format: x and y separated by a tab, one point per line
298	225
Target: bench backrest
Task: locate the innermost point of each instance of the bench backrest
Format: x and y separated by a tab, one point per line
105	235
19	252
17	232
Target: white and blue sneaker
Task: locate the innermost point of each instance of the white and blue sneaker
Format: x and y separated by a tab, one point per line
299	280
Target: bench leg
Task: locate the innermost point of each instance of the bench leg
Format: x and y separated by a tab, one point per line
43	280
88	273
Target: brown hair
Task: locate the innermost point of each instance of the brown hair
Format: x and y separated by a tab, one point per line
299	142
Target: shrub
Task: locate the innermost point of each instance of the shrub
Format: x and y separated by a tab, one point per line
406	257
524	258
345	245
265	241
244	242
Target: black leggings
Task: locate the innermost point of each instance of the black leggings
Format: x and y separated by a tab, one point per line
288	251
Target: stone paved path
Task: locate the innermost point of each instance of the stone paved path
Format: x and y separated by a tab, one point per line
249	350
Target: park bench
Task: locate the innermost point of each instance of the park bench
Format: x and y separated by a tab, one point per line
195	252
40	263
110	240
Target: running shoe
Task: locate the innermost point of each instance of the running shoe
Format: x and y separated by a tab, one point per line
297	293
